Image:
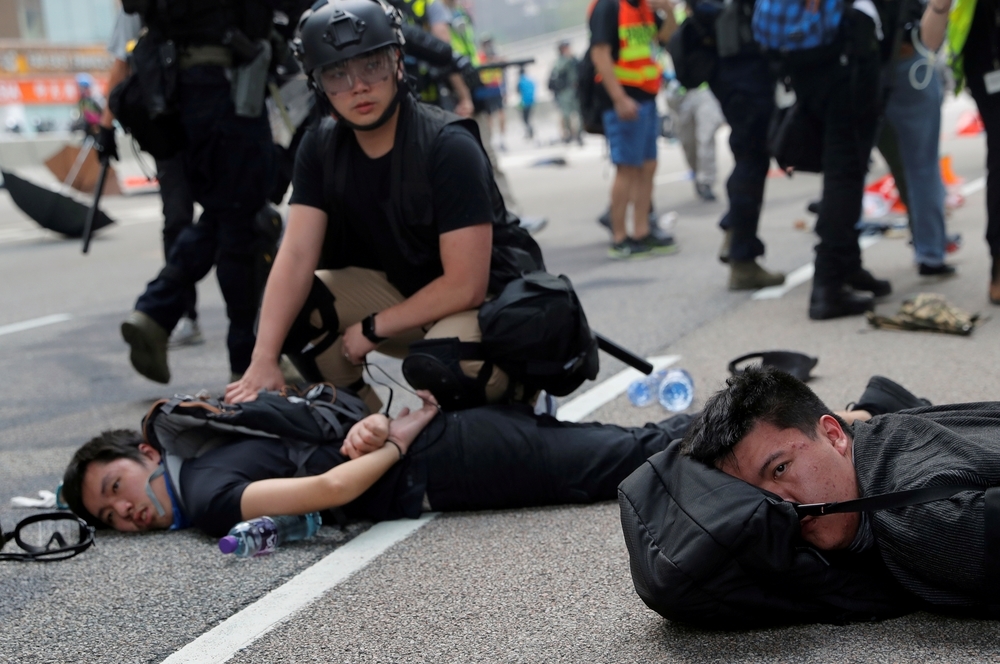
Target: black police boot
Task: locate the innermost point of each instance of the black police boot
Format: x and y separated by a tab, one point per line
885	396
837	301
863	280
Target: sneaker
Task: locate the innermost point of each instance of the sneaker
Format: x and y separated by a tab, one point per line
605	220
942	270
533	224
660	244
149	346
629	249
187	333
705	192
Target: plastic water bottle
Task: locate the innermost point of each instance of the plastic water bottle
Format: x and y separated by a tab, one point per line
642	392
261	536
676	391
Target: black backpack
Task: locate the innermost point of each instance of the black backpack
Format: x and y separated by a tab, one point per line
593	98
537	332
710	550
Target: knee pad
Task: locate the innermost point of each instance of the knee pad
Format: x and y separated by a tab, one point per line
434	365
305	340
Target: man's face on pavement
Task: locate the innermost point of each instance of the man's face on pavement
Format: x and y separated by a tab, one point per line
115	492
801	469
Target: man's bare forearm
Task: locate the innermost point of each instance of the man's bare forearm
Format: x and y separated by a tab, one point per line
600	54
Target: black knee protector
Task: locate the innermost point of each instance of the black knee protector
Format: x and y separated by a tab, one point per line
304	340
433	365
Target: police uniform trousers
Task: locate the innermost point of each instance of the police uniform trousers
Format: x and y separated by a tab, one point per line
841	94
744	86
360	292
228	163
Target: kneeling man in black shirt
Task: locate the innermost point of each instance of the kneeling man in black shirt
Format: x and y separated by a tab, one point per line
395	210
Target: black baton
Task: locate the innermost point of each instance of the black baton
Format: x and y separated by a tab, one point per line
623	354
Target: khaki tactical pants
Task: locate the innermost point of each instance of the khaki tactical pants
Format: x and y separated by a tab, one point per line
360	292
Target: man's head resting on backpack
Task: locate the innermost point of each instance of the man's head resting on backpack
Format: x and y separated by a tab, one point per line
116	480
770	430
351	50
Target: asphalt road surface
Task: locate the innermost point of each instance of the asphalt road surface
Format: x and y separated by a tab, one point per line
521	586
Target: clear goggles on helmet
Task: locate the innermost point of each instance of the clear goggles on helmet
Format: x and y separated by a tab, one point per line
369	68
48	537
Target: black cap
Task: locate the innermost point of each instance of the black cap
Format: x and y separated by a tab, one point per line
342	29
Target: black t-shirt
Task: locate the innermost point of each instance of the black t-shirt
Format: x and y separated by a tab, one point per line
604	30
461	185
212	485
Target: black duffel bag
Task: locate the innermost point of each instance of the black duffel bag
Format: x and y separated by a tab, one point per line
536	331
710	550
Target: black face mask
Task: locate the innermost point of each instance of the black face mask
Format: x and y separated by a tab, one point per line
48	537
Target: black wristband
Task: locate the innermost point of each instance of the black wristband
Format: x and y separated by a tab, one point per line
368	329
396	445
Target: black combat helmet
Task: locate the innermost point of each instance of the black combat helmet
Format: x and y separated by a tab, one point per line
343	29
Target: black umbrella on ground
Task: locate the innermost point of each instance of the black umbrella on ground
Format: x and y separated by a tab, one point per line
51	209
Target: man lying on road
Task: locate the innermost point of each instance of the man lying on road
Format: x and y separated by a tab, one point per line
773	432
493	457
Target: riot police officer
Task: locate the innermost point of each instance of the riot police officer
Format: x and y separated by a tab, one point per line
192	49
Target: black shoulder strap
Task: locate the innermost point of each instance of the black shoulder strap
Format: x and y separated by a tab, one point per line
888	501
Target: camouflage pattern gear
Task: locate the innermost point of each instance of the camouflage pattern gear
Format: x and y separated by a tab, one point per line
929	312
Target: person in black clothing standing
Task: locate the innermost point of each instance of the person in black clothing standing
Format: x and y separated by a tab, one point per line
837	86
227	161
744	85
396	207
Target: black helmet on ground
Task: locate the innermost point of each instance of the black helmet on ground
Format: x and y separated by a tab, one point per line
343	29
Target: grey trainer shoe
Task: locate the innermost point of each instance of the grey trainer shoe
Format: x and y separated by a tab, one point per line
749	275
149	346
187	333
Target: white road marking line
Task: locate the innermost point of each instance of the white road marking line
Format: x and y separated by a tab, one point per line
803	274
223	641
972	187
597	396
33	323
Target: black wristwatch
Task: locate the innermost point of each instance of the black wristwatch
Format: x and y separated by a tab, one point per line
368	329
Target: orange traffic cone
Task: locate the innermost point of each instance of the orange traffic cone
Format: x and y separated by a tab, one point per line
969	124
948	176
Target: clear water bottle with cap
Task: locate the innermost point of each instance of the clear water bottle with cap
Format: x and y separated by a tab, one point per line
642	392
261	536
676	391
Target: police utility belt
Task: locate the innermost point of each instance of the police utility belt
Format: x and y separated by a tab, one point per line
146	103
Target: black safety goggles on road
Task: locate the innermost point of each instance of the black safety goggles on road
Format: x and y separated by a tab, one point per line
48	537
